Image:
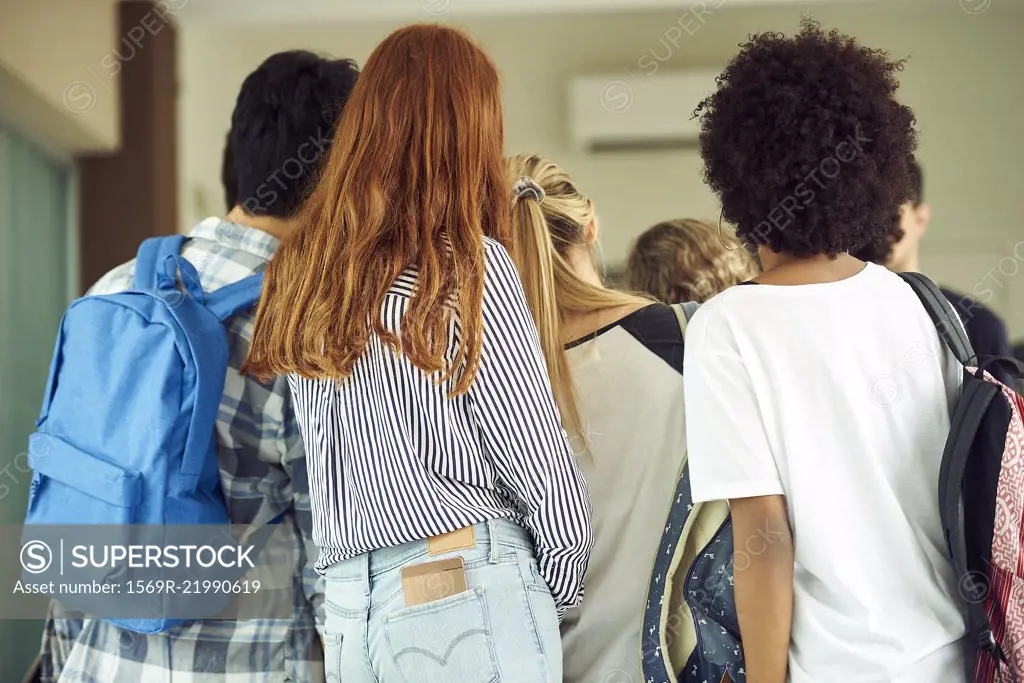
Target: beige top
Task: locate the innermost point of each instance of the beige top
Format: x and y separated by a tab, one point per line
629	381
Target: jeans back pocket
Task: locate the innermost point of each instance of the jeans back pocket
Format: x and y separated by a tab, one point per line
443	641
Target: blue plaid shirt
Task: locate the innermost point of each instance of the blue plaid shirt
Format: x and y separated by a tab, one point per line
263	475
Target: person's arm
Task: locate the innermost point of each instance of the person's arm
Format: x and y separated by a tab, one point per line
271	465
763	575
294	463
522	433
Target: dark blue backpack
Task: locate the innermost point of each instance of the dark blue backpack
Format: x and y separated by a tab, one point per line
701	561
691	632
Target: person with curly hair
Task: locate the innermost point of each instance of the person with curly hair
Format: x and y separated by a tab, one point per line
818	398
686	260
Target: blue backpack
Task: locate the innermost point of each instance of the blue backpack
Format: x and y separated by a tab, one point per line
126	431
691	630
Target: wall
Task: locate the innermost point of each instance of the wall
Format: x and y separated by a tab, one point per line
961	81
35	201
54	76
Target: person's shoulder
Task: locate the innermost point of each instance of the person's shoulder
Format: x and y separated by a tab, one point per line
714	324
498	263
973	312
114	281
964	304
652	320
495	249
490	242
724	305
984	327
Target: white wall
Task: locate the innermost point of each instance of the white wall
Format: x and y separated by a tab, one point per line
962	81
53	83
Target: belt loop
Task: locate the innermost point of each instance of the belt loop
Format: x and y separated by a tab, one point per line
365	570
493	537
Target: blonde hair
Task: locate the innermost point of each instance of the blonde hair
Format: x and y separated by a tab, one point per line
687	260
542	235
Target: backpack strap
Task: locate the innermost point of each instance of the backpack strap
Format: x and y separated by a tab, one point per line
684	312
942	314
149	261
965	423
236	297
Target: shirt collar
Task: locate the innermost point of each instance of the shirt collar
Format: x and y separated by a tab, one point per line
236	236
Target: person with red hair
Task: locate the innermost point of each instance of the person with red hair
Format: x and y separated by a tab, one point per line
452	519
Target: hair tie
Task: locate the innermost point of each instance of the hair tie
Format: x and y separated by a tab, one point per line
526	187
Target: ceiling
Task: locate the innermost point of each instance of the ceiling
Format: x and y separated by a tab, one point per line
314	11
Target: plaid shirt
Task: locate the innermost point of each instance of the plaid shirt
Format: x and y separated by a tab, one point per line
263	475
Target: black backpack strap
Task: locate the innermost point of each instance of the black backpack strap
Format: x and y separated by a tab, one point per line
964	424
973	586
942	314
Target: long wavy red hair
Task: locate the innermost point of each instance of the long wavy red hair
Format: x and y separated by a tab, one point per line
415	178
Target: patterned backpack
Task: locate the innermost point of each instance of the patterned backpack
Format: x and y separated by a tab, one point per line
691	632
981	498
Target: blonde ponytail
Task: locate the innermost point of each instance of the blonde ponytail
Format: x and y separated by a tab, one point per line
545	225
535	257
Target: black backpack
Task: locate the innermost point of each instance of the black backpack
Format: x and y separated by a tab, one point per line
981	497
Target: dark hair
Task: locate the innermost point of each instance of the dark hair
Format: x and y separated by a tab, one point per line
878	252
281	131
805	143
228	178
916	183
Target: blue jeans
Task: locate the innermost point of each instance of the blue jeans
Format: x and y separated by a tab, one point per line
503	628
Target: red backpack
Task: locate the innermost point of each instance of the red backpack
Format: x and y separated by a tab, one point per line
981	498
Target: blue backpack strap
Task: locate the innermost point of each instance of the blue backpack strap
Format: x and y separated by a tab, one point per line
149	261
236	297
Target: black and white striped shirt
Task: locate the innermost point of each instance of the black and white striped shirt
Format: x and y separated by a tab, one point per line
393	459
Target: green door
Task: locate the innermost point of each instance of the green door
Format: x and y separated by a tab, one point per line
34	291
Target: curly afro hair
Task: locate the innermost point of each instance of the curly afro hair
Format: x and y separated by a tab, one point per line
805	143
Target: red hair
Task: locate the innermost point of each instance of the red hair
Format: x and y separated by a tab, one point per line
415	177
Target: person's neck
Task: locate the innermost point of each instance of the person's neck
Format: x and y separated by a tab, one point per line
910	264
583	267
578	324
276	227
786	268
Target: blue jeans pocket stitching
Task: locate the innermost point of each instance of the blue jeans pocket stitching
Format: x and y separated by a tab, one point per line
332	656
473	594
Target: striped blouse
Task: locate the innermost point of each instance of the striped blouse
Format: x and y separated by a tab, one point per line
393	459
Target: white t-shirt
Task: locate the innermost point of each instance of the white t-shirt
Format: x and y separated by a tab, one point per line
838	397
